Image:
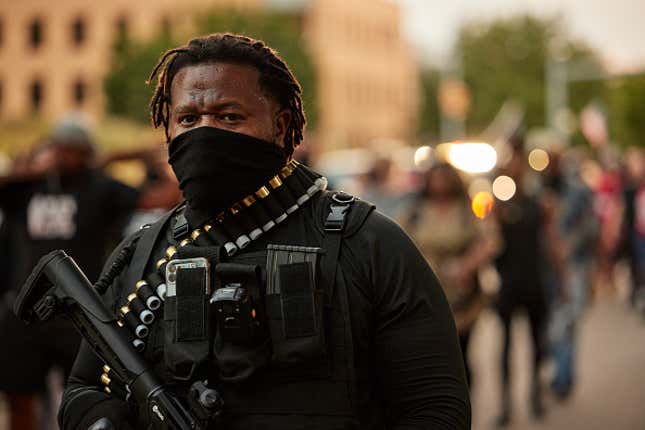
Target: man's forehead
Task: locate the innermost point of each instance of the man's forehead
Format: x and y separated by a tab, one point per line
218	85
216	76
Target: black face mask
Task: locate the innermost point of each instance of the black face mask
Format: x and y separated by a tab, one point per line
217	168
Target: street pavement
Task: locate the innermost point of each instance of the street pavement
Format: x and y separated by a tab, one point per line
610	393
611	388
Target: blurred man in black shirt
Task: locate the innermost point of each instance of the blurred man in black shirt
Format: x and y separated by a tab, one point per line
56	201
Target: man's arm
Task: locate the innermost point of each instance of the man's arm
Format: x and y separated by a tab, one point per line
418	360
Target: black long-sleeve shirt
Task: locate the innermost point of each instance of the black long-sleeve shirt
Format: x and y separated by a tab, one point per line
408	367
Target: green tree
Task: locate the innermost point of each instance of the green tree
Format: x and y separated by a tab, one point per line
506	59
128	95
126	91
627	110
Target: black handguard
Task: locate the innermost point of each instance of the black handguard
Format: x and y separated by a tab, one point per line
57	286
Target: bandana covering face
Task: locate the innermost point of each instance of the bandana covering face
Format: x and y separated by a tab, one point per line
216	168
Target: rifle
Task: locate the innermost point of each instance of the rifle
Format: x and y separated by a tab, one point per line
57	286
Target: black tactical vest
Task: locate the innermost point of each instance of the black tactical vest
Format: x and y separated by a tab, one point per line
303	376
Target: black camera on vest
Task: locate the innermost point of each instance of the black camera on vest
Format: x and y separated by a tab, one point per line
236	305
235	314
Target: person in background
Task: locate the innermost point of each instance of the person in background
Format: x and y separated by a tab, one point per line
55	199
575	231
455	243
633	225
379	187
160	188
521	222
608	205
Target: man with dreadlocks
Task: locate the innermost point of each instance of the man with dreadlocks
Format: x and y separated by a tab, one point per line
303	308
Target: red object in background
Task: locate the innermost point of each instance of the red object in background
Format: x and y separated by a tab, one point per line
608	206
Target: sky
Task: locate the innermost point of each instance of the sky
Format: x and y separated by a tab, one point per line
616	28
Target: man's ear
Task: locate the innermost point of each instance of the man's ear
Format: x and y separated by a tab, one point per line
280	125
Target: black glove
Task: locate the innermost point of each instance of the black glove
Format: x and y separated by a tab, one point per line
96	412
102	424
112	414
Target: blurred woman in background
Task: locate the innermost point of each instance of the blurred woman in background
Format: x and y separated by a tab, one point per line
454	242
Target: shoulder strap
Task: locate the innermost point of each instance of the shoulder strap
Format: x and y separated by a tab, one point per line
180	228
145	247
334	226
343	216
357	216
346	215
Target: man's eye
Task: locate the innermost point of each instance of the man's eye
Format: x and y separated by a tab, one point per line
230	117
187	119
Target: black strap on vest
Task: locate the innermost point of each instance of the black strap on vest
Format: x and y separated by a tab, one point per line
144	249
336	226
180	228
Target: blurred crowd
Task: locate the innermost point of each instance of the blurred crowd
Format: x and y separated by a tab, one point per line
59	196
541	234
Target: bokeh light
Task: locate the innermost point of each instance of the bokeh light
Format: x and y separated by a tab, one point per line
504	188
538	159
482	204
472	157
422	157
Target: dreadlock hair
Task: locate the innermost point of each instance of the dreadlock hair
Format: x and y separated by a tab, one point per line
275	76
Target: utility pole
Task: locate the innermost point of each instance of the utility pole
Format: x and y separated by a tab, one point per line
560	71
556	84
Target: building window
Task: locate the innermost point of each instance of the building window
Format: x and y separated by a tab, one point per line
79	92
36	94
36	33
78	31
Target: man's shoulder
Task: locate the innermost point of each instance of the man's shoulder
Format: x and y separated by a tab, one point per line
354	216
380	232
363	219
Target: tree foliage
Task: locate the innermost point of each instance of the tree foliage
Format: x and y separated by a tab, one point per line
126	92
128	95
507	59
627	110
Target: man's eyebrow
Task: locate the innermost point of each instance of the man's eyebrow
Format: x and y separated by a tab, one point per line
189	107
230	104
184	108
